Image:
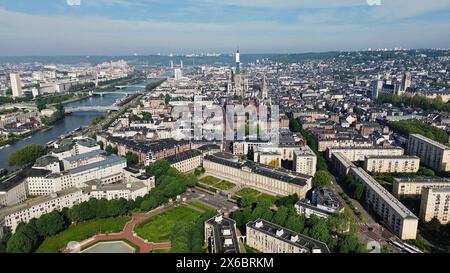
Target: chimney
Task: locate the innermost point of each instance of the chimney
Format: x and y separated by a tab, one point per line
294	238
280	232
259	224
219	218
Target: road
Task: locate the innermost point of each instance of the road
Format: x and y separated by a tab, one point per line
368	228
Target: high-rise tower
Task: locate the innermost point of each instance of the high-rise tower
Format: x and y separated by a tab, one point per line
16	85
238	62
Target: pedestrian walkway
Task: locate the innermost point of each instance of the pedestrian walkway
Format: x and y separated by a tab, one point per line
127	234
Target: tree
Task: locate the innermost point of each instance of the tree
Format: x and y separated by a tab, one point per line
295	223
101	144
319	229
280	216
132	158
109	149
81	212
167	99
287	200
247	201
50	224
19	243
26	155
158	168
180	237
322	178
350	244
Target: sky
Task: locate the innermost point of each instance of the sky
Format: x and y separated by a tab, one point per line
126	27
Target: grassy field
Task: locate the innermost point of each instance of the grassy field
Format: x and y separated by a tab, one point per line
247	191
210	180
82	232
158	228
217	183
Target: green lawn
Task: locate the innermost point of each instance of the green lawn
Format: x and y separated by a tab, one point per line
82	232
201	206
225	185
210	180
158	228
217	183
247	191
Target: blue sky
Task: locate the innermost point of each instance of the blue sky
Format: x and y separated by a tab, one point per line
116	27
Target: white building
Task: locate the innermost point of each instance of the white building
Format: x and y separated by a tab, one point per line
16	85
271	238
36	207
305	161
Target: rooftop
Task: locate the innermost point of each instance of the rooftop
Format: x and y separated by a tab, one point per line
433	142
224	232
310	245
109	161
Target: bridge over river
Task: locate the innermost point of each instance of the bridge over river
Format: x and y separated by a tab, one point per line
91	108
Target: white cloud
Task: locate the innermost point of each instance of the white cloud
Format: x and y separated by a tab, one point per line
73	2
93	35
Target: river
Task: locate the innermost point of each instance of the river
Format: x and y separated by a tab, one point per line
69	123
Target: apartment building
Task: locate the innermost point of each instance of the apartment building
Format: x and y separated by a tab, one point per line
271	238
432	153
186	161
305	161
359	153
261	177
435	203
341	164
411	188
220	235
391	164
394	215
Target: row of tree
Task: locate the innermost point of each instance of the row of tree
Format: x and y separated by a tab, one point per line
415	101
29	236
338	232
407	127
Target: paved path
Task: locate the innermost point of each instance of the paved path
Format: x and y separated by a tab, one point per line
127	234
